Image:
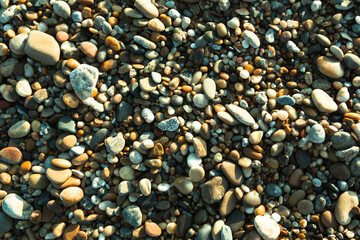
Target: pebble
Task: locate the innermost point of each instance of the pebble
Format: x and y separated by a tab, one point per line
351	61
209	88
273	190
152	229
305	206
83	80
196	173
58	175
171	124
132	215
323	101
242	115
232	172
251	38
62	9
42	47
147	8
17	44
330	67
328	220
200	100
89	49
183	185
23	88
342	140
317	134
11	155
7	224
226	233
344	205
38	181
267	227
71	195
19	129
16	207
214	190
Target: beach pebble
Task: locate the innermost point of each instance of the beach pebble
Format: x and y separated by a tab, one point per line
242	115
11	155
345	203
16	207
132	215
19	129
17	44
330	67
183	185
23	88
214	190
71	195
83	80
251	38
317	134
323	101
42	47
267	227
62	9
171	124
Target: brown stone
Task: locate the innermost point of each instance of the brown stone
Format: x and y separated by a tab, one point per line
152	229
11	155
71	231
58	175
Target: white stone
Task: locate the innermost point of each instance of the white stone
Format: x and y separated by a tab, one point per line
16	207
200	100
193	160
135	157
83	80
156	77
267	227
148	115
23	88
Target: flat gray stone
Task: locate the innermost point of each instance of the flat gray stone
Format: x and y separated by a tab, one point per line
240	114
16	207
83	80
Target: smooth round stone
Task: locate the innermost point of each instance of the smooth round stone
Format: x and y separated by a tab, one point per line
344	205
200	100
17	44
342	140
125	188
214	190
252	199
148	115
285	100
61	163
273	190
135	157
71	100
69	141
58	175
323	40
317	134
343	95
152	229
38	181
209	88
132	215
183	185
156	77
62	9
328	220
127	173
6	224
330	67
337	52
216	230
251	38
355	167
156	25
352	61
233	172
305	206
112	43
148	9
267	227
71	195
323	101
89	49
226	233
11	155
193	160
16	207
147	85
339	171
145	186
19	129
23	88
278	135
221	30
196	173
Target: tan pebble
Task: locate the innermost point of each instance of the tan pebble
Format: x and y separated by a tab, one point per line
71	231
11	155
244	162
5	178
59	229
171	228
108	65
38	181
183	185
61	163
62	36
35	217
71	195
112	43
69	141
152	229
25	167
71	182
79	215
109	230
89	49
81	159
196	173
58	175
156	25
145	186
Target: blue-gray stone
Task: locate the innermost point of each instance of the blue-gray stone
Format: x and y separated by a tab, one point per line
319	203
273	190
67	124
226	233
6	224
235	220
99	137
125	232
204	232
132	215
286	100
303	158
124	110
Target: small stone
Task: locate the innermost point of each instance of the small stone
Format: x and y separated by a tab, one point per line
6	224
323	101
147	8
89	49
344	205
305	207
40	95
200	100
17	44
147	85
71	231
214	190
71	100
286	100
83	80
242	115
23	88
183	185
112	43
252	199
58	175
135	157
19	129
115	144
209	88
99	137
251	38
38	181
62	9
171	124
152	229
256	137
132	215
200	146
156	25
11	155
71	195
145	186
125	188
343	95
196	173
16	207
328	220
233	172
216	230
42	47
267	227
352	61
66	124
330	67
337	52
317	134
124	110
342	140
226	233
156	77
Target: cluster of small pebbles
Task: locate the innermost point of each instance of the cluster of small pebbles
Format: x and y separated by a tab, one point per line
179	119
